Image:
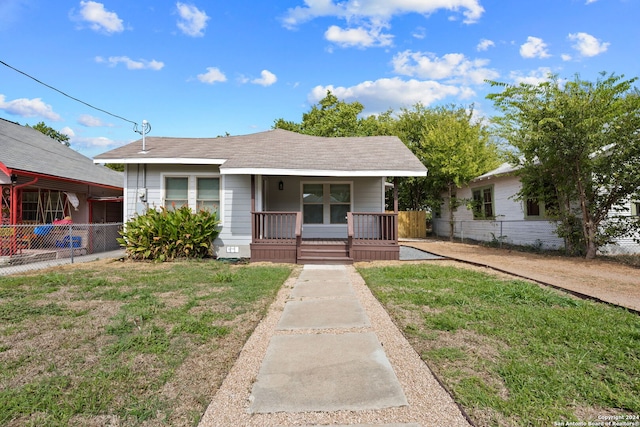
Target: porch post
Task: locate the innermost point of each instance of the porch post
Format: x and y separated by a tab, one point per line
395	195
395	208
253	193
253	208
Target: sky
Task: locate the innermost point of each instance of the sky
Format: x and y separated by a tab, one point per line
207	68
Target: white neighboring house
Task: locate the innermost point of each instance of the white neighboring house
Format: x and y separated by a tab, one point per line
501	217
276	192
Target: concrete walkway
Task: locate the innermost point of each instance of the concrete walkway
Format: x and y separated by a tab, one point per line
327	353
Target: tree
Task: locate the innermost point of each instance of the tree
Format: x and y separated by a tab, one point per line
118	167
51	133
452	145
332	117
578	146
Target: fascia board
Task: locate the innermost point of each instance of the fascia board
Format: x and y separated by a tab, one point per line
317	172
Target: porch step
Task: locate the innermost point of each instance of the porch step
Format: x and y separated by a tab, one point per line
324	260
324	253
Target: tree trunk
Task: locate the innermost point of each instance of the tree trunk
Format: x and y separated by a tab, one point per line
591	242
589	227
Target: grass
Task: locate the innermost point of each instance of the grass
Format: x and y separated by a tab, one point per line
510	352
125	343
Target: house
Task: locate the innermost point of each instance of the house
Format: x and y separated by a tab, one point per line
48	195
280	195
42	180
497	215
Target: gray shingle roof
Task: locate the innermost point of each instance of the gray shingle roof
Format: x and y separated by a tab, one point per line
26	149
278	151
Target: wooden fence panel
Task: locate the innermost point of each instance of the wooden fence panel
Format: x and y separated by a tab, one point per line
412	224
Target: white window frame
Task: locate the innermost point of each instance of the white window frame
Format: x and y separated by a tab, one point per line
326	194
192	188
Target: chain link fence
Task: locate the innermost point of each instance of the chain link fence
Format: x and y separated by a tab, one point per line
537	235
32	246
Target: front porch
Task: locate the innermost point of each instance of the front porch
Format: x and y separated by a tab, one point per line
278	237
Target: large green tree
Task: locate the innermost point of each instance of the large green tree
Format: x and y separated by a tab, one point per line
453	145
333	117
51	133
578	146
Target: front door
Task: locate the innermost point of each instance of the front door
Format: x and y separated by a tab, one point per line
324	209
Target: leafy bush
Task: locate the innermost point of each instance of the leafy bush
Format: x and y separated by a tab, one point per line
165	234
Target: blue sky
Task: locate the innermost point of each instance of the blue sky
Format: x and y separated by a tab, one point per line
203	68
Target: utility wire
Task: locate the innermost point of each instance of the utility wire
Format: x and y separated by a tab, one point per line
67	95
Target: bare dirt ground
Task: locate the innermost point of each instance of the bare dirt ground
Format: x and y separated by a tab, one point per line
605	280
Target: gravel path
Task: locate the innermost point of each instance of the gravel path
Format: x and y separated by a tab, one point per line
429	403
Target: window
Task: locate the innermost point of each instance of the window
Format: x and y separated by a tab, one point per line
340	202
312	203
635	208
208	194
325	203
483	203
535	209
176	192
197	192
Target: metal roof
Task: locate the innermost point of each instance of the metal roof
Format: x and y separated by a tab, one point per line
25	149
278	152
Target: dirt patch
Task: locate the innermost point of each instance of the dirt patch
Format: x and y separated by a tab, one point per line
602	279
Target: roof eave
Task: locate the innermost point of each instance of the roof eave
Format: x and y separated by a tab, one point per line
321	172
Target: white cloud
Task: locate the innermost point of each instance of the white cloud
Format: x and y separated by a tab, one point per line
67	131
380	95
24	107
92	122
419	33
534	77
98	141
534	48
360	37
192	20
591	1
212	76
381	10
587	44
99	18
566	57
454	67
267	78
141	64
485	44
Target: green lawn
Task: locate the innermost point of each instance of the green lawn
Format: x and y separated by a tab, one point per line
125	343
512	353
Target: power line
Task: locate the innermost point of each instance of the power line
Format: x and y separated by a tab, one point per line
67	95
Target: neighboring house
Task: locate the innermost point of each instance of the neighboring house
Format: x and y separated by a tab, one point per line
42	180
280	195
496	214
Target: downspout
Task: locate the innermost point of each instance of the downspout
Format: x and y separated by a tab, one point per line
14	200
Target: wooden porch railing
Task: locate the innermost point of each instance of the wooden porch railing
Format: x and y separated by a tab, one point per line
277	236
276	227
372	227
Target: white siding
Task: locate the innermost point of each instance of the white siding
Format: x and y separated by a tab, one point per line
624	245
509	225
